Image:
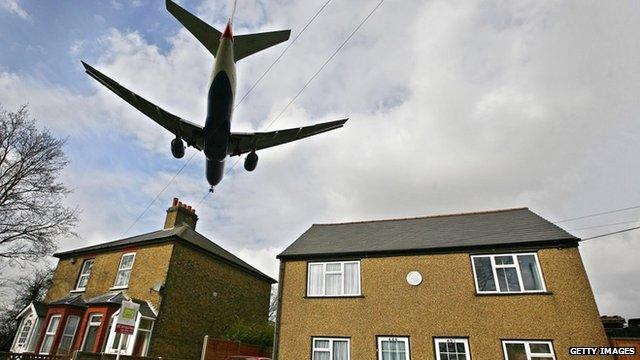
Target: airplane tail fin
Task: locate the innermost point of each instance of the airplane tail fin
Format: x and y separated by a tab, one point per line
245	45
205	33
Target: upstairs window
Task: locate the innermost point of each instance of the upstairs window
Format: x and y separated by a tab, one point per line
85	271
528	350
507	273
334	279
124	270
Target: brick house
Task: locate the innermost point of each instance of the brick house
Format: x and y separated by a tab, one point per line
186	285
503	284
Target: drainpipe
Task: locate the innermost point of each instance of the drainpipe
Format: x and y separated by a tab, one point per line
276	331
204	347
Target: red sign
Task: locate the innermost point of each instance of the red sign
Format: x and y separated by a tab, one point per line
124	329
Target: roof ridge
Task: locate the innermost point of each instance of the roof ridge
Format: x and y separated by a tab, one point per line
427	216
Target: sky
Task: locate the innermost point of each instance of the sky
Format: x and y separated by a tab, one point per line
454	106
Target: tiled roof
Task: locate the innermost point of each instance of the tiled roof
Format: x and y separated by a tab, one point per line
182	233
498	228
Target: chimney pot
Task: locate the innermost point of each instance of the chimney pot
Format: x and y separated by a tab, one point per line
180	214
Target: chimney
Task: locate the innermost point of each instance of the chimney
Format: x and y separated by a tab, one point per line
180	214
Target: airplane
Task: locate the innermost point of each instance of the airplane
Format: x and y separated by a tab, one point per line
215	139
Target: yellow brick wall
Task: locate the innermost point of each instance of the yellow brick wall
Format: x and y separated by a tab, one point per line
445	304
150	266
190	311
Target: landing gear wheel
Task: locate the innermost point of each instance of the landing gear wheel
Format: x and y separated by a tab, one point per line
211	189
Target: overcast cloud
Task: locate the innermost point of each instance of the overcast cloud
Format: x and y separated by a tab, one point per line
454	106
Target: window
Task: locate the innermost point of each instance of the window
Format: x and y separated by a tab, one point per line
331	349
393	348
452	349
334	279
528	350
124	270
24	332
83	279
90	336
143	336
507	273
68	334
50	334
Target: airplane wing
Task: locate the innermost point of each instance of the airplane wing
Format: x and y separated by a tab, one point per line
190	132
241	143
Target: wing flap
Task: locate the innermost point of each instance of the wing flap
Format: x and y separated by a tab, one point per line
241	143
190	132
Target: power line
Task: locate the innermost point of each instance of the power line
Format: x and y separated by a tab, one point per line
598	214
604	225
282	53
611	233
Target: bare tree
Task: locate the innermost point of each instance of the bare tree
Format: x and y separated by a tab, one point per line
273	303
26	289
32	215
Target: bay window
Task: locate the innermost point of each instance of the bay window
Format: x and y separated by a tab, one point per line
49	334
91	334
528	350
68	334
507	273
333	278
331	349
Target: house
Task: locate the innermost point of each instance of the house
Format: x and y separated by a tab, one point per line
186	285
503	284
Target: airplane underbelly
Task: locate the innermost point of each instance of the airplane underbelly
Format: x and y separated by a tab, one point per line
218	124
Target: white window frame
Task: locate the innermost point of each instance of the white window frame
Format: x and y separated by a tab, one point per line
330	349
84	274
50	333
515	265
91	323
397	338
73	335
120	268
22	340
438	341
527	349
128	345
324	278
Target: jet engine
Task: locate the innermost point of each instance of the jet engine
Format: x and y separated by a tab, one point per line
177	148
251	161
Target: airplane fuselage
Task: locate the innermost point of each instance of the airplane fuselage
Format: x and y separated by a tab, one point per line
220	100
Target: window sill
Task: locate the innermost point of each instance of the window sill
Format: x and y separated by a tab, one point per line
77	290
334	297
515	293
119	287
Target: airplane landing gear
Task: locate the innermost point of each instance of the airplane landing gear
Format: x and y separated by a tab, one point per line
211	189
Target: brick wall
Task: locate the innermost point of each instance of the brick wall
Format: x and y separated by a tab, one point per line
223	293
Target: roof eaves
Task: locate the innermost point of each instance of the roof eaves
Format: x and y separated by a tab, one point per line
566	242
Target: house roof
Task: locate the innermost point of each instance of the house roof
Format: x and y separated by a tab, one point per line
40	309
183	233
114	298
453	232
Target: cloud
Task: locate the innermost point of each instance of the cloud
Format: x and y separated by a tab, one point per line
14	7
453	106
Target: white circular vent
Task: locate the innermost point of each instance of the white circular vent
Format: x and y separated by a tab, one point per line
414	278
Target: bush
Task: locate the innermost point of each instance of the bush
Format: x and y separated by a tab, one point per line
251	333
